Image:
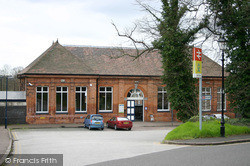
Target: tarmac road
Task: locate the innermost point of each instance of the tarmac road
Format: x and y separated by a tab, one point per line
222	155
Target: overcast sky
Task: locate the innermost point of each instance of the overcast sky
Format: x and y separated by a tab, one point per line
28	27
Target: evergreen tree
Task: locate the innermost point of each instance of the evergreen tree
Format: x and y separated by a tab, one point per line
232	19
176	58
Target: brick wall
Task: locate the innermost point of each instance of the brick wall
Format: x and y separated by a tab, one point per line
121	87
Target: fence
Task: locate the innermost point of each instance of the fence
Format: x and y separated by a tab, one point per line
16	107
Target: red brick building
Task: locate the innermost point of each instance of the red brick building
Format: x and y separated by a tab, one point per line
66	83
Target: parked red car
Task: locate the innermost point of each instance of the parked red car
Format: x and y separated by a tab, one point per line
119	123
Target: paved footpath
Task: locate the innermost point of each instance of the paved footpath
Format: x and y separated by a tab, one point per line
5	143
136	125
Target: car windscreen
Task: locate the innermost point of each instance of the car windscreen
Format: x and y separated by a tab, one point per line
121	119
97	118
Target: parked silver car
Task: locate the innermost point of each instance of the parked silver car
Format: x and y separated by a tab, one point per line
218	116
208	117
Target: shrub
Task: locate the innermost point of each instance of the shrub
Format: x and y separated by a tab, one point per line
194	119
238	121
190	130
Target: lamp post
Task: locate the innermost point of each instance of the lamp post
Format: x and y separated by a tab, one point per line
6	100
222	43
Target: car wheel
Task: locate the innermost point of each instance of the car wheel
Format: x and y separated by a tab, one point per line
115	127
89	127
107	125
102	128
129	128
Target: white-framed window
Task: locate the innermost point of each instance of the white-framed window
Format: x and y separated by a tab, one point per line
105	99
206	104
219	99
61	99
42	99
163	104
81	99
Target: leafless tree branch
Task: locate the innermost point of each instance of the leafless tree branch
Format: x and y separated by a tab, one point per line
129	35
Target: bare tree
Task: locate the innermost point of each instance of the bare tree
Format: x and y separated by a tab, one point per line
170	30
13	82
6	70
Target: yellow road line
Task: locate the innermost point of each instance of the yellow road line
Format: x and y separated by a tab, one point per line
14	135
15	142
17	147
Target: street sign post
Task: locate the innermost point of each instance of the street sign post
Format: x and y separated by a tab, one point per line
197	63
197	73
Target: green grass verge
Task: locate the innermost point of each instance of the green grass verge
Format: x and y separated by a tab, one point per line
190	130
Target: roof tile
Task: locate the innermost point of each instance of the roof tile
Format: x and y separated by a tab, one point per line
60	59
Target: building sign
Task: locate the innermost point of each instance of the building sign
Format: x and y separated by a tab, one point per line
197	63
121	108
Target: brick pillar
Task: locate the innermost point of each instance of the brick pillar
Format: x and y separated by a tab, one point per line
150	102
52	98
121	95
52	101
92	97
31	102
71	102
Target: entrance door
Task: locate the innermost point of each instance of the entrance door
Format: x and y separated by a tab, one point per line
139	113
139	110
131	110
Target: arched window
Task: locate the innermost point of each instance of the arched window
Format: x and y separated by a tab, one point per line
135	94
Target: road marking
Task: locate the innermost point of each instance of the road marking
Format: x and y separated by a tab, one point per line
17	147
15	142
14	135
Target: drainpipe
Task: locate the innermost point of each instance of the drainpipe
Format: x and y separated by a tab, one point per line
97	91
172	116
